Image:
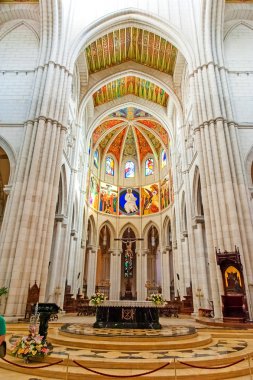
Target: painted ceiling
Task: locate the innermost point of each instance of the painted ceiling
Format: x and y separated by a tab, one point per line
133	44
130	132
130	85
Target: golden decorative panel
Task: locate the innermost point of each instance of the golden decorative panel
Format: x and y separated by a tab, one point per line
133	44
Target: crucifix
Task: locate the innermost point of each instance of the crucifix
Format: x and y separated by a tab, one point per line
128	240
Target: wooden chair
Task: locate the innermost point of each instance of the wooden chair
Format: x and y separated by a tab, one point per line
32	299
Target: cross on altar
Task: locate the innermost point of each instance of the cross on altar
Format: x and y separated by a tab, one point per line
128	239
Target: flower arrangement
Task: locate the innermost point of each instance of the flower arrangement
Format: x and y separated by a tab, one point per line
97	298
30	346
157	299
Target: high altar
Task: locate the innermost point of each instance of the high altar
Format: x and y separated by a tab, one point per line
128	314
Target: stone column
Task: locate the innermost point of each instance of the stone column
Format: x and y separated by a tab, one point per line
141	270
115	274
55	264
203	265
92	266
165	267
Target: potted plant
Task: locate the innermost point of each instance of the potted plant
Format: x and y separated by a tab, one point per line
30	347
97	298
157	299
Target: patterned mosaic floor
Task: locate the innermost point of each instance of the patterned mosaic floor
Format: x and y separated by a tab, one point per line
166	331
217	349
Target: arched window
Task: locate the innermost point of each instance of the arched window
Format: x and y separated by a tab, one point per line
129	169
96	158
163	158
109	166
149	166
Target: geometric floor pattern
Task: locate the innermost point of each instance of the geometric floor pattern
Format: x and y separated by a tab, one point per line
87	330
221	347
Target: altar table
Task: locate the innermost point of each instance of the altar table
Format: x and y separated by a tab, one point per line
127	315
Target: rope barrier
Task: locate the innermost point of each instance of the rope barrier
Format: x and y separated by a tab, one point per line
37	367
122	377
217	367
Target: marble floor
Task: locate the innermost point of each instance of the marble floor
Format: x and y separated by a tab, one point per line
225	343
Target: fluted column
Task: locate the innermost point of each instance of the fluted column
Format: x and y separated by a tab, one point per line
165	268
56	259
92	266
115	274
141	271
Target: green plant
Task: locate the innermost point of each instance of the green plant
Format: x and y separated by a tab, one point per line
3	291
97	298
157	299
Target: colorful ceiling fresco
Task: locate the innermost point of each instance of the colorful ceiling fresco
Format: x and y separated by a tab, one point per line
114	148
130	113
130	86
144	146
102	128
130	134
158	129
132	44
130	144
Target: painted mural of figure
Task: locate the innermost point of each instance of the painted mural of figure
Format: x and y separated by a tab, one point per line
130	205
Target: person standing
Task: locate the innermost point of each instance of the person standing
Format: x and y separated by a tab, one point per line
2	337
2	329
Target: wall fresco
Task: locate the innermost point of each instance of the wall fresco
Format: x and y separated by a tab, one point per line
108	201
94	192
150	199
129	201
165	193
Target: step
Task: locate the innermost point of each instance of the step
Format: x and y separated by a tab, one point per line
75	372
67	340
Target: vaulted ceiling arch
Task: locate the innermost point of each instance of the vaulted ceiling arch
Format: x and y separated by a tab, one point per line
157	112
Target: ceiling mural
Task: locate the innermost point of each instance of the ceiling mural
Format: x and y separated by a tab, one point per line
133	44
109	136
130	113
129	133
130	85
143	145
158	128
102	128
114	148
130	144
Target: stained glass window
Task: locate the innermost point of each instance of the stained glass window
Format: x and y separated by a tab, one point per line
129	169
109	165
164	158
128	261
96	158
149	166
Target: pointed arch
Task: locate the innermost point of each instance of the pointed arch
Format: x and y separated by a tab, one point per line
111	228
11	156
126	226
9	27
91	230
249	167
147	228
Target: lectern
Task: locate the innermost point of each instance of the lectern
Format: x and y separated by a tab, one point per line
45	310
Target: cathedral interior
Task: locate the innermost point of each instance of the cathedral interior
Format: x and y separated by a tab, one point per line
126	172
